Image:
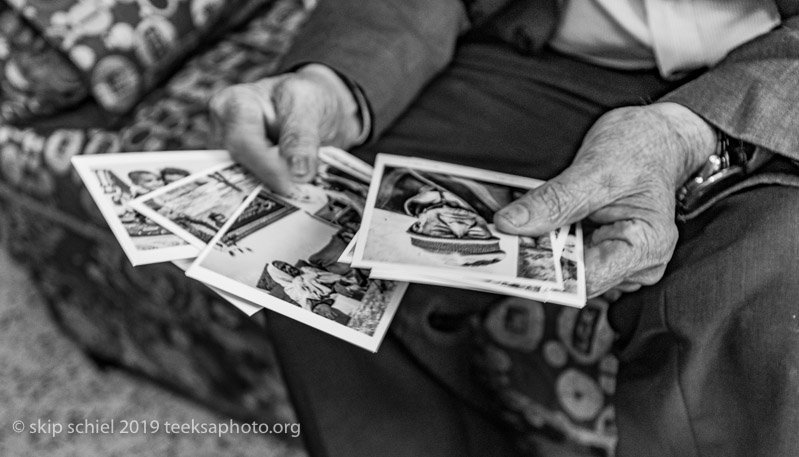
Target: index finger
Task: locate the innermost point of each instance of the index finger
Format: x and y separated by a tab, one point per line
243	120
631	252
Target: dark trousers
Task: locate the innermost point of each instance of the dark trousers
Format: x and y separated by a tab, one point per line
709	357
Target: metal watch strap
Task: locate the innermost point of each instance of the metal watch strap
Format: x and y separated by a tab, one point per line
730	164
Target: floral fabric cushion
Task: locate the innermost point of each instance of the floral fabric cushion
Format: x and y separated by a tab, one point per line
552	373
151	320
118	49
37	79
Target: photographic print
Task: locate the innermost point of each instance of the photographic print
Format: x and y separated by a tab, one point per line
242	305
349	251
437	218
113	180
572	266
560	239
284	256
195	208
343	160
338	192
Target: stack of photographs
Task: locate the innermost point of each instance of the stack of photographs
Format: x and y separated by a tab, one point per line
431	222
210	217
338	253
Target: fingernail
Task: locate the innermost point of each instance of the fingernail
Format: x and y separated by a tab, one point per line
516	214
299	166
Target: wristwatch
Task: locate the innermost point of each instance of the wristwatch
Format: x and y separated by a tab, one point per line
731	163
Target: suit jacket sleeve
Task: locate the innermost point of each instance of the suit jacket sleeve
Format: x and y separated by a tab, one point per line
390	48
753	94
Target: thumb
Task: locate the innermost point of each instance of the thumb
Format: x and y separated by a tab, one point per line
567	198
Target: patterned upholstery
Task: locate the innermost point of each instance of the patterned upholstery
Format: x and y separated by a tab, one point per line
151	319
121	48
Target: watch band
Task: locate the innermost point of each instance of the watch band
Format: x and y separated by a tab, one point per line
730	164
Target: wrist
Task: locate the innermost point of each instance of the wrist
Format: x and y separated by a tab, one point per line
693	137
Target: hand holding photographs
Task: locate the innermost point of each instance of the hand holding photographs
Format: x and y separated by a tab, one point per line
282	253
431	222
258	249
437	219
306	255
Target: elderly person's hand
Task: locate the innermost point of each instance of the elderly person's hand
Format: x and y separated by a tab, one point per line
298	111
624	178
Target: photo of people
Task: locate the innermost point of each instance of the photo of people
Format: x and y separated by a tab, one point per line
299	275
114	180
331	295
440	218
346	196
195	208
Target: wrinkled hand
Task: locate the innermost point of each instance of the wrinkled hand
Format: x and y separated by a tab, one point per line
624	178
298	111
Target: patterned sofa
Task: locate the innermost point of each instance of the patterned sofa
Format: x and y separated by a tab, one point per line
150	320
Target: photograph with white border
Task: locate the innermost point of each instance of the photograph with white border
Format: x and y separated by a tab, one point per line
573	293
437	218
282	257
349	251
113	180
195	208
239	303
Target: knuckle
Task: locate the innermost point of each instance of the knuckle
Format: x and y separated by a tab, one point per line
293	88
652	276
216	106
219	100
664	240
296	93
297	142
649	246
232	102
293	84
655	241
671	236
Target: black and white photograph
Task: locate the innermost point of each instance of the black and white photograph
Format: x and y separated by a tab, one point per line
282	253
195	208
571	264
560	239
241	304
573	267
114	180
399	228
349	251
438	218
